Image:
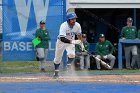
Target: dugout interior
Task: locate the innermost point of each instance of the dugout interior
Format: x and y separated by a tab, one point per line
107	21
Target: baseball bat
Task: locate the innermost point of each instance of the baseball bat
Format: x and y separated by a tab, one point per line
97	59
101	61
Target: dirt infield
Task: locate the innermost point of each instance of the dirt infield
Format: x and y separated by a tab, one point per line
113	79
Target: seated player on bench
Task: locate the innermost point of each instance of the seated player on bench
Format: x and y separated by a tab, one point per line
84	56
104	50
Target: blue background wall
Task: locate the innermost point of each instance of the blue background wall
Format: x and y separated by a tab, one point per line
19	47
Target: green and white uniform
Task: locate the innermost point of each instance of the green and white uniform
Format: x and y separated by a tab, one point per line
130	33
42	48
105	49
83	55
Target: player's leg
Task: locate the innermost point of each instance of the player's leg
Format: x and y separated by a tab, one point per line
40	54
112	60
98	63
87	61
81	62
43	64
134	56
127	50
60	47
71	55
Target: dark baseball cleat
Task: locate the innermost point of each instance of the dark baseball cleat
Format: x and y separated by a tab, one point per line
56	75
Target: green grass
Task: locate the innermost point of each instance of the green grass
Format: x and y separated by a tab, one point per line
33	67
19	67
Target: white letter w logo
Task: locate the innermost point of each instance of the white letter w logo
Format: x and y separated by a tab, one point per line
23	11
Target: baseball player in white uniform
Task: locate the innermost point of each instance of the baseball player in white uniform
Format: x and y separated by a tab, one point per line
66	40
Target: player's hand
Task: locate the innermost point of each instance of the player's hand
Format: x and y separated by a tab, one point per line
105	57
82	47
123	38
84	53
40	38
76	41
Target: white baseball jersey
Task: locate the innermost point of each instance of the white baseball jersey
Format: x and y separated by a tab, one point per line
69	33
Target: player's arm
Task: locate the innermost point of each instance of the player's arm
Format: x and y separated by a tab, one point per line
79	36
37	34
122	33
111	47
62	34
79	33
65	40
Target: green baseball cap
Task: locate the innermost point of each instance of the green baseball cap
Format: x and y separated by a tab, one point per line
42	22
101	36
129	19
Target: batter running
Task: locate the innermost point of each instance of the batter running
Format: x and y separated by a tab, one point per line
66	40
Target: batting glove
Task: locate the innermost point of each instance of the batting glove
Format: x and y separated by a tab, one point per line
105	57
123	38
76	41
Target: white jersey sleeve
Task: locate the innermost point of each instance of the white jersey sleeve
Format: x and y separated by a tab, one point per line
62	31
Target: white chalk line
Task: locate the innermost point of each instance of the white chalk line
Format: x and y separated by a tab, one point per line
68	79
